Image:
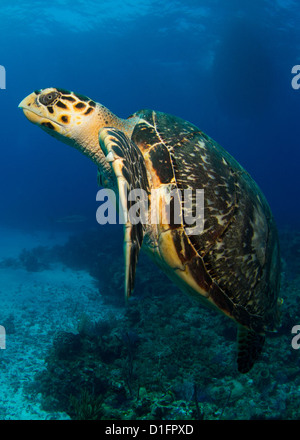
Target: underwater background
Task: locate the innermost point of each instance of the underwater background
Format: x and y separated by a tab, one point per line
74	349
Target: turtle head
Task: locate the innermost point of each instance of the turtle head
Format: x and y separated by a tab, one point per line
72	118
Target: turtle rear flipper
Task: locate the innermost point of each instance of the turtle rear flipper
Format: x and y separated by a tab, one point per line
250	345
129	168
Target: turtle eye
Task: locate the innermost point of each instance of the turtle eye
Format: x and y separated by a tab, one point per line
49	98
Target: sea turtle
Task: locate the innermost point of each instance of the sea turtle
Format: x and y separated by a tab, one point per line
233	263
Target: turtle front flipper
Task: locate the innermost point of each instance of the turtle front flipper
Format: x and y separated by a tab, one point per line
129	168
250	345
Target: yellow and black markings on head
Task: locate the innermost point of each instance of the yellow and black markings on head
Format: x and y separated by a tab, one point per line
62	104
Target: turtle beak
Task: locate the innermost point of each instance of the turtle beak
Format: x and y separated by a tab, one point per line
30	106
28	101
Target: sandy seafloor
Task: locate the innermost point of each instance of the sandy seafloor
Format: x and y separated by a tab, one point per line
42	303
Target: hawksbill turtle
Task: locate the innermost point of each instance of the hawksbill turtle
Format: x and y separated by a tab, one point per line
233	263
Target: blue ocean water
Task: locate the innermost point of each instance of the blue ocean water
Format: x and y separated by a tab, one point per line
227	68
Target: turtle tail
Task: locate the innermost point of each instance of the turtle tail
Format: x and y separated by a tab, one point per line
250	345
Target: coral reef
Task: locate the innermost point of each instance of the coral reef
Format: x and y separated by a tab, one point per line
167	357
87	406
35	260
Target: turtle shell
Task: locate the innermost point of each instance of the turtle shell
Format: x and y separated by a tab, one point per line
234	264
